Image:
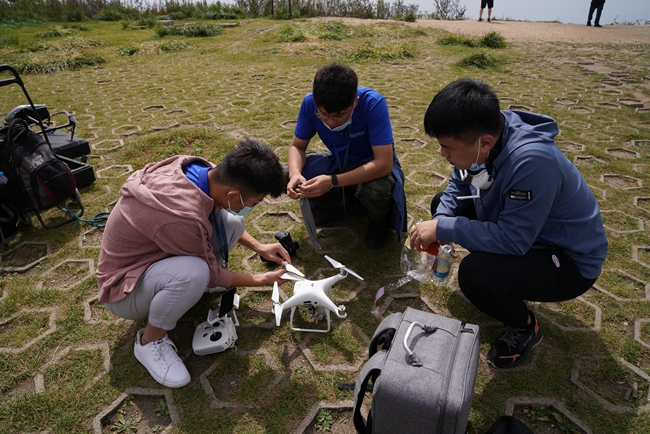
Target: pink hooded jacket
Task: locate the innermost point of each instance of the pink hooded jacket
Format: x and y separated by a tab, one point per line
160	213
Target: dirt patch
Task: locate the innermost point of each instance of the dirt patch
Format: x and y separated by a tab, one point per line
336	421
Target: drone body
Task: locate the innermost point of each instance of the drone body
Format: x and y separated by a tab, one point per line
312	294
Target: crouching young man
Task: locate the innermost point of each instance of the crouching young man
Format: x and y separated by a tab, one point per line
167	241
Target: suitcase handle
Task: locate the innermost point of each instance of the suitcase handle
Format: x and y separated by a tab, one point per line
415	360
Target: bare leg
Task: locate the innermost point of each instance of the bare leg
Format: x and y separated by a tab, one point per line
151	334
480	15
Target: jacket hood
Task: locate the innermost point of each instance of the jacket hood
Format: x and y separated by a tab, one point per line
164	191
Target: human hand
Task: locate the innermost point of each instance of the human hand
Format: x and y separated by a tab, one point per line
294	186
422	234
317	186
274	252
268	278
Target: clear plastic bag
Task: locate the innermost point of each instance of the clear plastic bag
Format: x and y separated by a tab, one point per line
416	264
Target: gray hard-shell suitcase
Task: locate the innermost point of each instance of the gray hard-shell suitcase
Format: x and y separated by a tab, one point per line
422	378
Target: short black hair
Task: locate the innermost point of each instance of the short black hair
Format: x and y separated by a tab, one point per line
463	110
253	168
335	87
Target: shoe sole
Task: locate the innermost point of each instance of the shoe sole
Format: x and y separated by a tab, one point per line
521	360
164	383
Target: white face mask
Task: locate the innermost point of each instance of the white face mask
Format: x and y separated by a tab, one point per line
477	175
242	212
340	127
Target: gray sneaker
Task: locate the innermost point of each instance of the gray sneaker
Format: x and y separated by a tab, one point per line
162	361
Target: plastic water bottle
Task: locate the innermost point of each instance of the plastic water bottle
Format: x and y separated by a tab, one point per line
443	265
3	178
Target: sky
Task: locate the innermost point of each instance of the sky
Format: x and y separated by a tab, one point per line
565	11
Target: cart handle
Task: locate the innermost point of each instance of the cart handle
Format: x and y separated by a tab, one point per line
8	81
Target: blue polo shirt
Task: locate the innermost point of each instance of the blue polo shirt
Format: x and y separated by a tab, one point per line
370	127
197	172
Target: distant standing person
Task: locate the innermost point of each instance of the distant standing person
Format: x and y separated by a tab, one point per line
596	5
490	5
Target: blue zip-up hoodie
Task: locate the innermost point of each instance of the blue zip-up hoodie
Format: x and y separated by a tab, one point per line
538	200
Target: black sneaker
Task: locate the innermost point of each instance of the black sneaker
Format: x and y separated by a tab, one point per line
514	345
489	20
376	234
597	25
589	24
325	217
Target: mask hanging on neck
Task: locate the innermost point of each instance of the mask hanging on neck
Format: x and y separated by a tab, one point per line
477	175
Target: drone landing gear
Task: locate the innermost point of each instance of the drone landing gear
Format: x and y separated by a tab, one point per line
318	313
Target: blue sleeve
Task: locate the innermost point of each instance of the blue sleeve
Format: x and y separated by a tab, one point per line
449	205
519	222
305	128
379	128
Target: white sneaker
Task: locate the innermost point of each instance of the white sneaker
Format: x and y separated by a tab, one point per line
162	361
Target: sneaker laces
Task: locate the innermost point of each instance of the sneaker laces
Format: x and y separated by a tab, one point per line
164	351
510	336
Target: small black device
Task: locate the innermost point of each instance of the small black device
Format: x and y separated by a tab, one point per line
284	237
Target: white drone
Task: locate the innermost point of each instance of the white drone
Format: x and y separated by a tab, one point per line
313	294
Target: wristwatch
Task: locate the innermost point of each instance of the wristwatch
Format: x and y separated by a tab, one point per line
335	182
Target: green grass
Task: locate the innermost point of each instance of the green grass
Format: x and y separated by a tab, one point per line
151	98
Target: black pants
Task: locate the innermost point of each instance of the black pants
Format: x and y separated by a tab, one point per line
598	7
498	285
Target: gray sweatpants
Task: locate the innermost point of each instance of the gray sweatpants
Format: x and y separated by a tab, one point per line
171	286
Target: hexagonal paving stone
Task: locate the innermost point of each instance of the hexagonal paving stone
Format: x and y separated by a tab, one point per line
323	353
641	143
570	146
67	369
412	142
622	286
621	223
115	171
154	108
96	313
108	145
255	308
141	405
639	328
515	404
641	254
623	182
582	109
622	153
399	303
631	102
269	222
599	193
26	322
24	256
67	274
611	382
521	108
234	370
427	179
642	203
327	239
341	413
566	101
415	159
289	124
91	239
579	307
166	126
609	105
126	130
587	161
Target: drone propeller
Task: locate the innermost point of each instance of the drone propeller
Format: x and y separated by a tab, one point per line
337	264
277	307
291	276
291	269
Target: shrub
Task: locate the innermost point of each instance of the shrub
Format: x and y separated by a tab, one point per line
290	33
493	40
456	39
190	30
480	61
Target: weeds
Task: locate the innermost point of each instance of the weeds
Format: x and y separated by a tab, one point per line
190	30
480	61
493	40
162	409
324	420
